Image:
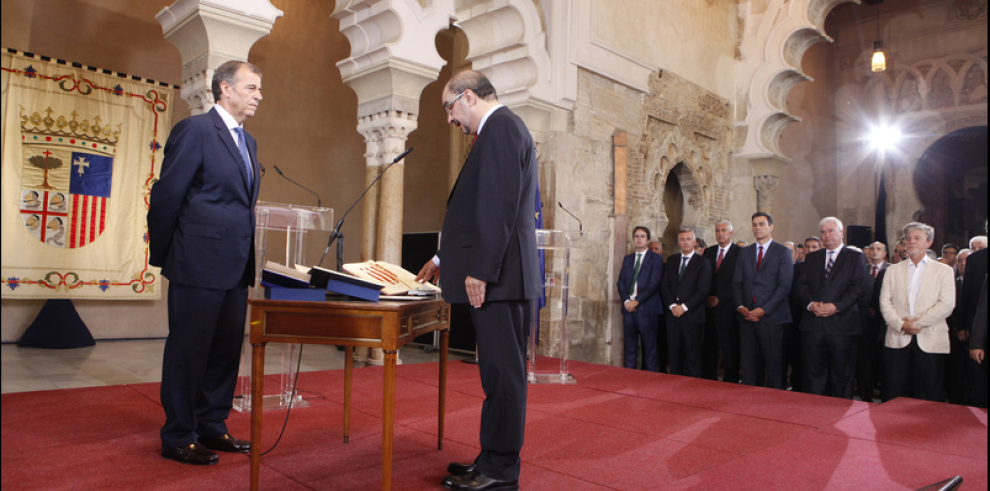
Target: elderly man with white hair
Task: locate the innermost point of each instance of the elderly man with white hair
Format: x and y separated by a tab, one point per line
829	291
978	242
917	297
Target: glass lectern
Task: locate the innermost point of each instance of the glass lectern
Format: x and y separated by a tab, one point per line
271	221
557	246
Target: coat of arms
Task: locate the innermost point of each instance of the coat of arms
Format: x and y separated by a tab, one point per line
66	180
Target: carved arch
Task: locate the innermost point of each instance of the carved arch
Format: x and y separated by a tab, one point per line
781	42
664	156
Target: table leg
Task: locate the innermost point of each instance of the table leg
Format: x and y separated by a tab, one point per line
444	340
257	408
388	419
348	371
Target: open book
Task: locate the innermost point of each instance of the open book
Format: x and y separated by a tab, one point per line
396	280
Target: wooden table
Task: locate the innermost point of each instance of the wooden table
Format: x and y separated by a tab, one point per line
385	325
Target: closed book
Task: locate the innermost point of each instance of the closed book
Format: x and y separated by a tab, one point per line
280	279
345	284
275	292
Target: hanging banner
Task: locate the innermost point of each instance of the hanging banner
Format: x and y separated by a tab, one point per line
81	150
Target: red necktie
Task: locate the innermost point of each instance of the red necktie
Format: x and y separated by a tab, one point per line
474	140
721	255
759	259
876	270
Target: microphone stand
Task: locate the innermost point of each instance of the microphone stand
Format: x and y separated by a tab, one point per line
337	235
319	202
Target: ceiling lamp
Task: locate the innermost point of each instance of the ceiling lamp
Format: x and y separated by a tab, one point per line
879	62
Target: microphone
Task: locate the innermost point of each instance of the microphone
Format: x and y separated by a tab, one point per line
262	167
336	230
580	226
319	202
401	156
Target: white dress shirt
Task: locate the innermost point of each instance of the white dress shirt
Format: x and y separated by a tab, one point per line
915	273
684	261
231	123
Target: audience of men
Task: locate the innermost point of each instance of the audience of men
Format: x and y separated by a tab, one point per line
684	289
917	297
839	320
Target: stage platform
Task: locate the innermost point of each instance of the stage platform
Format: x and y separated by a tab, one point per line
617	429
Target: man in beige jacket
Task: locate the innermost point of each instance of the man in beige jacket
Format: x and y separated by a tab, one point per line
917	296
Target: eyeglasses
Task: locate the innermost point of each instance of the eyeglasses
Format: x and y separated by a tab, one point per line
448	106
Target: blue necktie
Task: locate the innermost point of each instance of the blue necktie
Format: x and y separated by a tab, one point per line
831	262
242	147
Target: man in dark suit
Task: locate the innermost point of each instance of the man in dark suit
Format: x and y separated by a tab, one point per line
490	261
201	233
830	290
657	247
684	290
978	336
792	334
639	289
721	314
760	286
873	329
976	271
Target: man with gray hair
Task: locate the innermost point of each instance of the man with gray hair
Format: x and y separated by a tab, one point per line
684	289
917	297
978	242
201	233
830	290
721	314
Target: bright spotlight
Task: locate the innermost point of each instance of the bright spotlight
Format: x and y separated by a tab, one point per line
885	138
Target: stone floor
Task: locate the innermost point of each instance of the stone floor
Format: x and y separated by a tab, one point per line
138	361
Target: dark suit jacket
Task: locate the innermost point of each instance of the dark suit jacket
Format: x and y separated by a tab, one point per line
691	289
844	287
647	283
976	272
721	284
489	232
978	336
770	285
201	216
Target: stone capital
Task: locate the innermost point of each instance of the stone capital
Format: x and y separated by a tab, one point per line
209	33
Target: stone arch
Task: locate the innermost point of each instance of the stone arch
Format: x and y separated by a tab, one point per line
679	155
776	46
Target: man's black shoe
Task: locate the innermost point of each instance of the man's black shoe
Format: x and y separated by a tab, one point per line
226	443
193	453
476	481
461	469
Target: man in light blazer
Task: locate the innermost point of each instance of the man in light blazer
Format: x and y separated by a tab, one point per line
684	289
201	232
829	291
639	289
760	285
917	297
490	260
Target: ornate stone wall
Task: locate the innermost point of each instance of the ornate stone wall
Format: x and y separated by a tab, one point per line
677	122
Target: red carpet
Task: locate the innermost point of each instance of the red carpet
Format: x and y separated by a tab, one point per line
617	429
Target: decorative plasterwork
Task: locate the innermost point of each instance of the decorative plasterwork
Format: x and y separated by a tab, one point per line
773	44
209	33
954	81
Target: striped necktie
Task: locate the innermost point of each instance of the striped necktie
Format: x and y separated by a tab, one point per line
831	262
242	148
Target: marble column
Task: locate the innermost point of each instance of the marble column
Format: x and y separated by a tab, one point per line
210	33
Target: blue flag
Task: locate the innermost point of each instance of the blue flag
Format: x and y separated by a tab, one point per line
543	263
91	174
